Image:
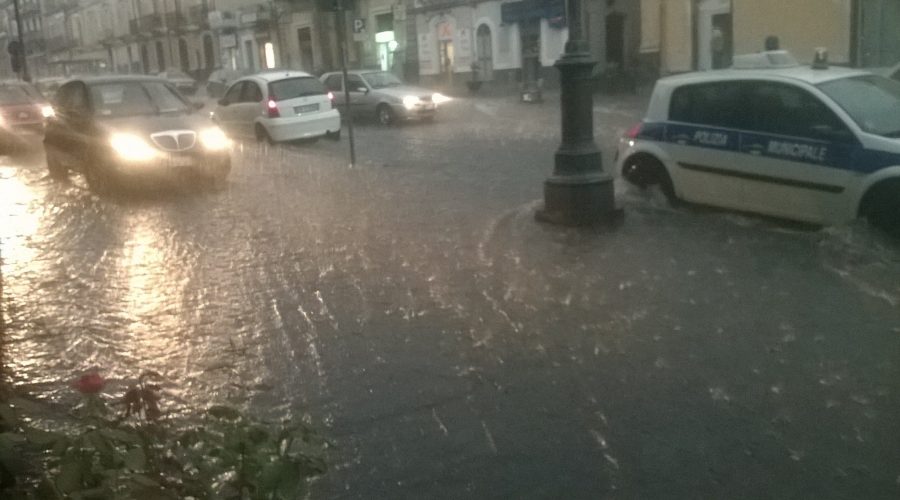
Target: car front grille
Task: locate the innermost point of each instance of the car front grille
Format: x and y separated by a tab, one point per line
175	140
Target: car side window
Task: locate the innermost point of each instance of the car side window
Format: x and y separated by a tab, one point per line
234	93
251	93
333	83
783	109
718	104
355	82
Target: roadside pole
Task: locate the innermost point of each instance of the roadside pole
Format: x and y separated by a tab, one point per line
341	15
24	73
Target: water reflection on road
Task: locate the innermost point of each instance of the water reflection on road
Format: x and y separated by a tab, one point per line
455	348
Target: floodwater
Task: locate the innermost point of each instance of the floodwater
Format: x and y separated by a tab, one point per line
452	347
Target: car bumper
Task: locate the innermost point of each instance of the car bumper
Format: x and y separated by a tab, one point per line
303	127
174	168
416	113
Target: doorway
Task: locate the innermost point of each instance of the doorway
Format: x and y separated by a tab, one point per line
160	57
530	37
615	41
484	51
304	41
183	56
715	38
209	56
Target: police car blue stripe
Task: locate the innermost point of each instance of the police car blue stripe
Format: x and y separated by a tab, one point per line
815	186
853	157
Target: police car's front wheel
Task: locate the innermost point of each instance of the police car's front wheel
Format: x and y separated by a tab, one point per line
644	171
881	206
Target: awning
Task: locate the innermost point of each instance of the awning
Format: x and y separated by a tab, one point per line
524	10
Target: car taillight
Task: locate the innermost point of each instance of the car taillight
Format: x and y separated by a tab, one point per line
272	106
634	131
331	98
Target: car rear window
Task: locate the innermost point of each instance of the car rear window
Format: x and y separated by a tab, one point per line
292	88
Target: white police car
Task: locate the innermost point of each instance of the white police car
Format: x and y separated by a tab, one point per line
814	144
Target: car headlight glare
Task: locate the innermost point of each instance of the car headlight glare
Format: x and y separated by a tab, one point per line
132	148
47	111
410	101
439	98
214	139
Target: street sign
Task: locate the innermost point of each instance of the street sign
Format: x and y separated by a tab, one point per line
359	25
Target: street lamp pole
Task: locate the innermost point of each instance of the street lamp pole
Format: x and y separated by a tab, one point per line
24	74
579	192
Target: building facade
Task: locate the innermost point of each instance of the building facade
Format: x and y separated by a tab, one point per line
686	35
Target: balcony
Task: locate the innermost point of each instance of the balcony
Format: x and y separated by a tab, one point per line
146	25
193	19
59	43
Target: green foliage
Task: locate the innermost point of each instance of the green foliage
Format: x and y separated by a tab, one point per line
224	453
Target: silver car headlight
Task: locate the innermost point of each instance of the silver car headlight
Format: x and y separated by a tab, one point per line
213	139
439	98
410	101
130	147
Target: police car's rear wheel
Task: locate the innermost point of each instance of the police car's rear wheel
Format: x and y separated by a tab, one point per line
644	171
881	206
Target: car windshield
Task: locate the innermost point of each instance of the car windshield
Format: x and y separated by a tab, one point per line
135	98
15	94
292	88
871	100
382	79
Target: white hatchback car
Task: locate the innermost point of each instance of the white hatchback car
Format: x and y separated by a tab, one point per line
814	144
278	106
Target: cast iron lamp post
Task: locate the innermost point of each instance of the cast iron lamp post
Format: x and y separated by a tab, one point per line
580	192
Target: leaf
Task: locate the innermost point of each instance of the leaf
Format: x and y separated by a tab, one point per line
26	405
257	434
42	438
120	436
224	412
136	459
7	415
69	478
144	481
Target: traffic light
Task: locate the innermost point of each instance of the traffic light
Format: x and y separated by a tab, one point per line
16	55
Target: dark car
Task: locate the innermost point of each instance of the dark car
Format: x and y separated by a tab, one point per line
219	81
181	80
22	113
133	131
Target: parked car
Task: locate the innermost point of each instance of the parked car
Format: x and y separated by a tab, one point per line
133	131
22	113
275	107
814	144
181	80
219	81
382	95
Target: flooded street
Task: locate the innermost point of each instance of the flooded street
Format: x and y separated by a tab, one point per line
449	345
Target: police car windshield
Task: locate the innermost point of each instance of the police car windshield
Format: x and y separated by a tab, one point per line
872	101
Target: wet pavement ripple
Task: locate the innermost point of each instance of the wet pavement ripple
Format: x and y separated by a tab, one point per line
453	348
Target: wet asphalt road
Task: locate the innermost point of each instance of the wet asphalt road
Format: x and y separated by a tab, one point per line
453	348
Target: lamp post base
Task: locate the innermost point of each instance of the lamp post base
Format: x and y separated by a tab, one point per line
580	200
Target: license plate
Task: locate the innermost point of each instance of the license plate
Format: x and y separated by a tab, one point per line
181	161
306	109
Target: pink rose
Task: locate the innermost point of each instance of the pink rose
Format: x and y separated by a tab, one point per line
89	383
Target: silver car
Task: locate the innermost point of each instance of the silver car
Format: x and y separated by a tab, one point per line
382	95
